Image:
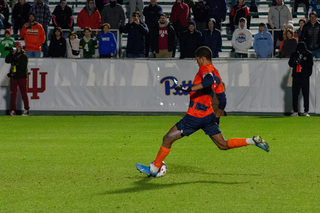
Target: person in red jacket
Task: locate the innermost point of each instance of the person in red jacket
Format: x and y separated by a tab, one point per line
89	16
179	16
34	36
237	11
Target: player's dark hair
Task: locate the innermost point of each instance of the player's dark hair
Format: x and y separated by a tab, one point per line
203	51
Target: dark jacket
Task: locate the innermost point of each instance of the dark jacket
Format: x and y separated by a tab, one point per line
289	47
62	18
303	57
136	37
311	35
152	15
5	12
189	43
20	60
217	9
201	12
154	38
57	48
236	13
20	14
213	40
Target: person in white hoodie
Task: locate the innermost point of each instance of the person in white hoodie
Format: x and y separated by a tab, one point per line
241	39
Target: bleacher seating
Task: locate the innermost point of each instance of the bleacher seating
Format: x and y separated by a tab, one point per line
263	8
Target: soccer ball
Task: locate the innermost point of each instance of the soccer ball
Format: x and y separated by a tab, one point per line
163	170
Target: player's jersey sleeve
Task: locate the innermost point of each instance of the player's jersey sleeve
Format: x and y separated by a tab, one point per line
217	86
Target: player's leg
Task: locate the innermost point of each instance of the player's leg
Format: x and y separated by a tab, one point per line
224	144
173	135
185	127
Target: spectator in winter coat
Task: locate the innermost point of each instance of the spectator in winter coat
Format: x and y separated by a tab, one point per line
89	16
278	16
302	22
238	11
20	15
288	27
262	42
218	11
4	13
62	17
7	42
152	14
137	31
289	45
101	3
34	36
179	16
163	38
311	35
212	38
73	44
241	39
107	42
113	14
43	16
57	48
190	41
201	15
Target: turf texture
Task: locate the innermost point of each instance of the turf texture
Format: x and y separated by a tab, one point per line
87	164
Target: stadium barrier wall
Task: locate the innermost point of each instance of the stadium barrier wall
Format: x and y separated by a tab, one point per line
125	85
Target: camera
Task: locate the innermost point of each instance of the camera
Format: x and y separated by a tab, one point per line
11	49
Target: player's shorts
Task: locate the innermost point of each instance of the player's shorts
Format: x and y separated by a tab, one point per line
190	124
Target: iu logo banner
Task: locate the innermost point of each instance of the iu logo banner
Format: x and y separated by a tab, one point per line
35	89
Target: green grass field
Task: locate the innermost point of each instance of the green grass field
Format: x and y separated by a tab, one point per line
87	164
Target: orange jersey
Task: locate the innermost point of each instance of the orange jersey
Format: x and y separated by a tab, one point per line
200	100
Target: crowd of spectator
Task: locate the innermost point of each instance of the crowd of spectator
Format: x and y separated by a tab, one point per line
150	33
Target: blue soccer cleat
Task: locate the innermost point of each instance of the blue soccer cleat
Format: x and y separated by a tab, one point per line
145	170
259	142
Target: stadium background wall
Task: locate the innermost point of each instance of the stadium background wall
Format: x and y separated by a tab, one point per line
123	85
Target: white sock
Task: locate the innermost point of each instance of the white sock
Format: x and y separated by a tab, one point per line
153	168
250	141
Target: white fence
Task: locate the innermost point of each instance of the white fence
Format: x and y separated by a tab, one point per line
147	85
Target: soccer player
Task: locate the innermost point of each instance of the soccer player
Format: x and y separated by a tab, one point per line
200	114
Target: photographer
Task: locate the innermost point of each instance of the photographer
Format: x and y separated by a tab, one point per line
137	31
301	61
18	77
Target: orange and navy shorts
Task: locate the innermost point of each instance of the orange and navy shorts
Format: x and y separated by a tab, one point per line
190	124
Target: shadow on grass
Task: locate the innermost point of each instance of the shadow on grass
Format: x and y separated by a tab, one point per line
144	183
180	169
